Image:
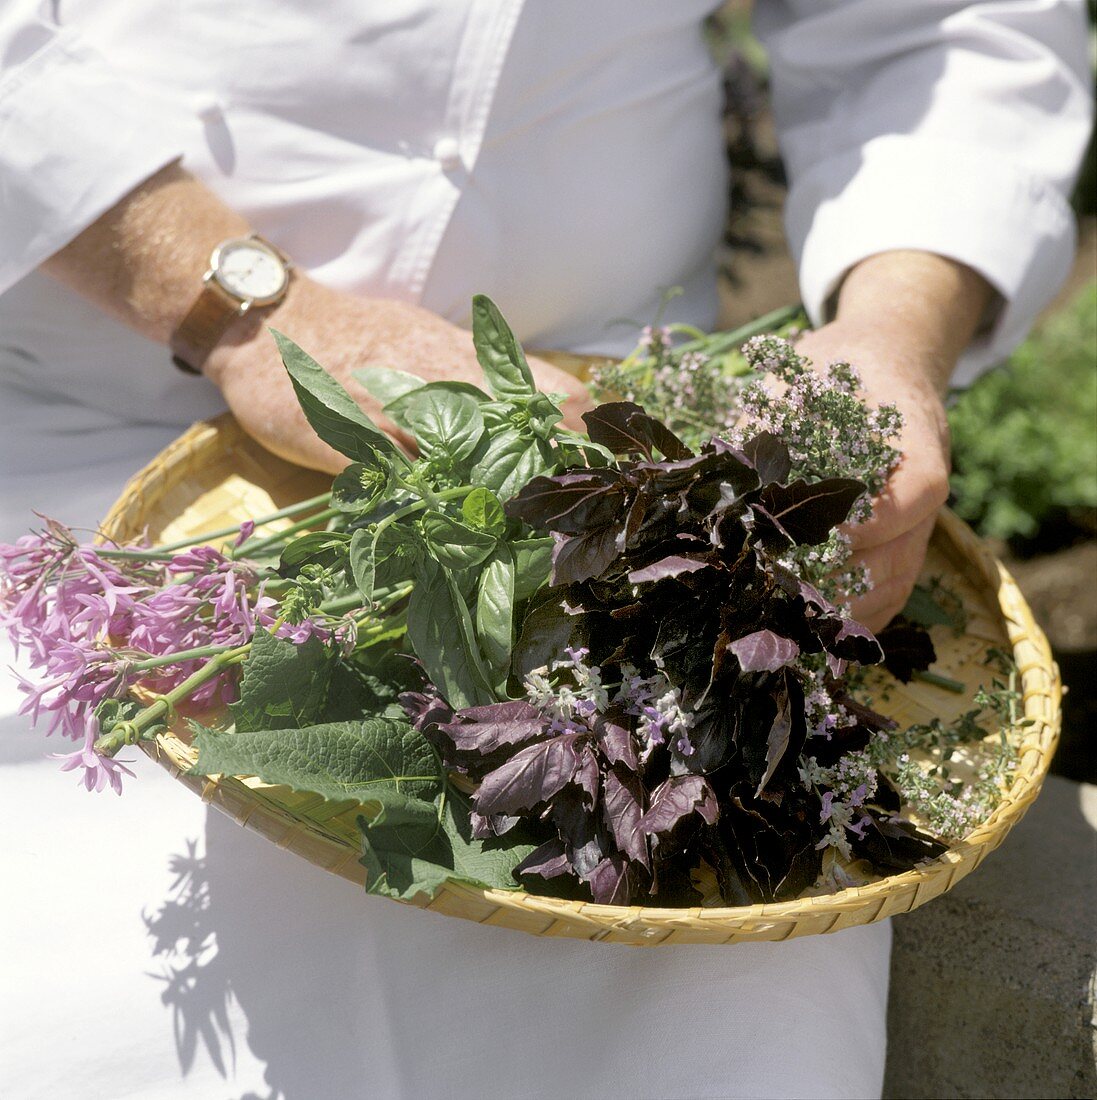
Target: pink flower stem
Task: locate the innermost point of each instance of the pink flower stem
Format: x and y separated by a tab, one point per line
137	729
178	657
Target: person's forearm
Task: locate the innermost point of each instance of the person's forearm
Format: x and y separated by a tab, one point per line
926	307
143	260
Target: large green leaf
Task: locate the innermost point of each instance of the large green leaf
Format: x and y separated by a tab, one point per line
284	685
510	461
443	421
340	761
505	368
396	409
441	634
334	415
386	384
483	511
495	612
411	847
532	565
455	545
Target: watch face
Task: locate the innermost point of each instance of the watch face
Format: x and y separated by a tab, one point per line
250	271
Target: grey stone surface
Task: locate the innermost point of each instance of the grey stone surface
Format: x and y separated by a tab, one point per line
993	984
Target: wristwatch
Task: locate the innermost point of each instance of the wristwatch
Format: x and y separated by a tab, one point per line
244	273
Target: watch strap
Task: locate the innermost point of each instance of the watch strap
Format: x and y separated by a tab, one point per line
201	329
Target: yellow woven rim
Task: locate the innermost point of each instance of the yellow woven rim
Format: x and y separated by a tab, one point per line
214	475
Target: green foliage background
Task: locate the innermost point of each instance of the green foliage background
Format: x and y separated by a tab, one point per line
1025	436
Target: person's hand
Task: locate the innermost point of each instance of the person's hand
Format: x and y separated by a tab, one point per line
344	333
892	544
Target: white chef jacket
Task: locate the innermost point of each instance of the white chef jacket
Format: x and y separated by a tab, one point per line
564	157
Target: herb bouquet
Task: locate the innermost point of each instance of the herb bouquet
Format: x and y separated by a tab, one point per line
595	684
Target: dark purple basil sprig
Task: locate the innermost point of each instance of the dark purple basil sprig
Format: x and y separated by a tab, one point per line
670	563
578	759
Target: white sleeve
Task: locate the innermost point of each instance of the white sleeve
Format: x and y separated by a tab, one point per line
76	135
947	126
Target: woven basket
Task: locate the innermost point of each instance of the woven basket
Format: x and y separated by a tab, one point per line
214	476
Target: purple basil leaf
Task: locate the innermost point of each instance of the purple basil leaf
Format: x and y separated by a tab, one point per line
624	428
608	425
777	743
578	558
769	456
764	651
546	629
548	861
907	648
768	530
675	799
425	708
611	882
484	828
809	511
570	502
616	744
587	777
665	441
581	831
771	843
893	844
673	565
623	809
529	778
486	729
848	639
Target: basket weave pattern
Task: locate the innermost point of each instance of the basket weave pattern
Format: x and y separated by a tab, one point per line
214	476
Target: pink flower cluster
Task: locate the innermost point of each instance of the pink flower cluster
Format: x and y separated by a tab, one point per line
85	618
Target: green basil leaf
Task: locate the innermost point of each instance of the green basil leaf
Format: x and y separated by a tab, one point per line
327	548
386	384
411	847
495	612
334	415
441	634
544	414
510	460
532	565
505	368
359	488
454	545
443	421
396	409
340	761
483	510
380	559
362	566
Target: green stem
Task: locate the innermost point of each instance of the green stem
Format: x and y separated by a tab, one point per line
166	550
725	341
249	548
940	681
419	505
